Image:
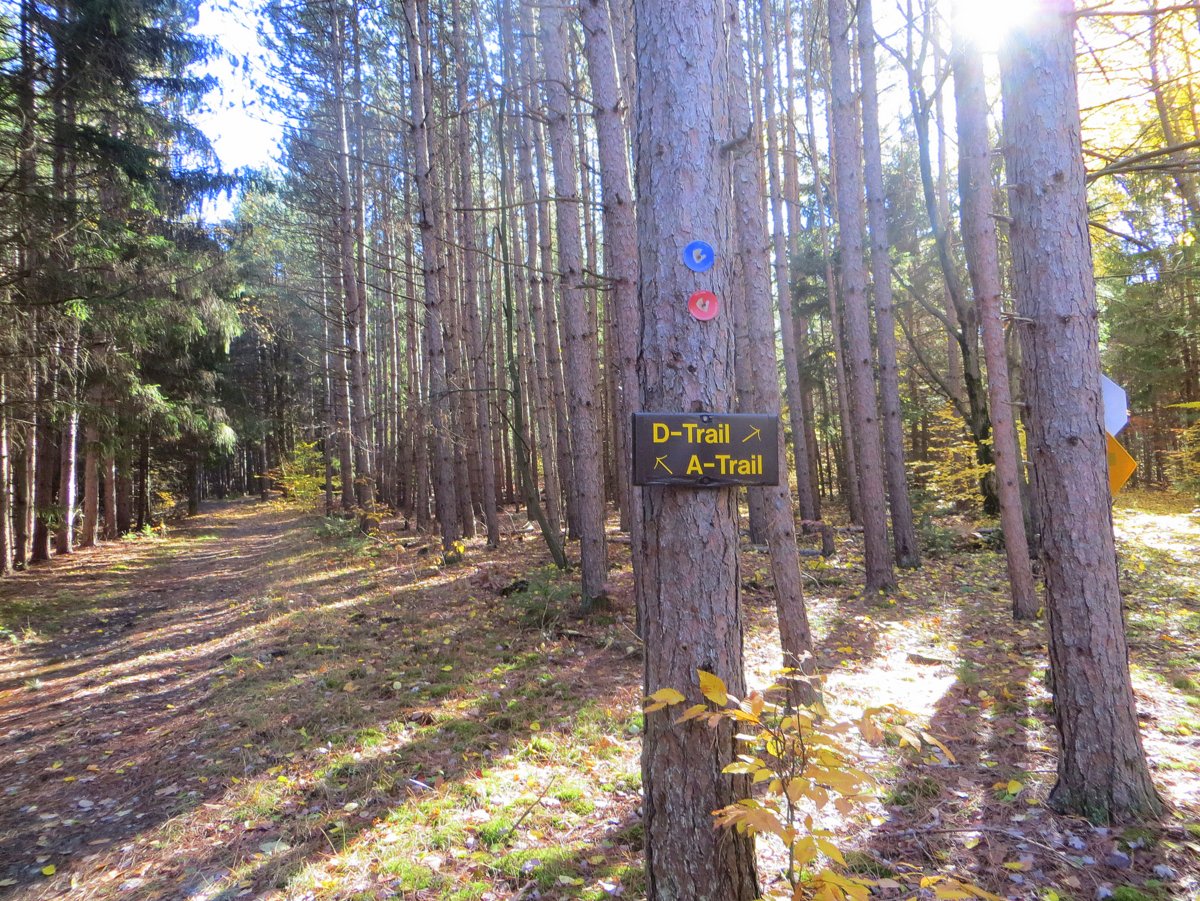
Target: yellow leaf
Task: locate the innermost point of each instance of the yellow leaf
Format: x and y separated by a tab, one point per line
1014	787
691	713
830	850
49	870
1015	865
667	696
713	688
972	842
933	741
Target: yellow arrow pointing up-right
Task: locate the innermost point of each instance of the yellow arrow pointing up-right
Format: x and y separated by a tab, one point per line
756	432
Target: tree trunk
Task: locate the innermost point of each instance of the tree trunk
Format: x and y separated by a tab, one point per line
112	532
353	298
983	265
582	362
91	484
7	541
620	233
64	538
753	305
1102	770
791	366
849	464
863	401
686	569
483	397
904	533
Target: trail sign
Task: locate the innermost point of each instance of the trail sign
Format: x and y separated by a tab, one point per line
705	450
1116	416
1116	406
1120	465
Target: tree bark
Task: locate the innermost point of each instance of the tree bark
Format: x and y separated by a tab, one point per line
7	541
686	569
791	366
620	233
863	401
983	265
483	398
753	305
582	362
1102	770
904	534
439	400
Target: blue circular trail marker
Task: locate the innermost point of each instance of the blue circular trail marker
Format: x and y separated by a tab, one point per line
699	256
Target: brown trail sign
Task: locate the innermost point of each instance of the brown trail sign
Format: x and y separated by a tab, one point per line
705	450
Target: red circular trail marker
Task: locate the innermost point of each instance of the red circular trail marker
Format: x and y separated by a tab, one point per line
704	305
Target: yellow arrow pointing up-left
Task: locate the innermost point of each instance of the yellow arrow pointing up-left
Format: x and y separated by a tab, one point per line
658	461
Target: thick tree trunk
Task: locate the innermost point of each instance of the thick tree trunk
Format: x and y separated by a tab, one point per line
686	569
1102	770
863	401
983	264
904	533
582	361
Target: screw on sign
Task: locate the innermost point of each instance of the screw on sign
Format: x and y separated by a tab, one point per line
699	256
704	305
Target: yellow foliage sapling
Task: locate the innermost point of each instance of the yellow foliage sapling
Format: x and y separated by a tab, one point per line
803	765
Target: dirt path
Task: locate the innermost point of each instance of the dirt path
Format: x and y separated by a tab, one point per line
249	709
98	709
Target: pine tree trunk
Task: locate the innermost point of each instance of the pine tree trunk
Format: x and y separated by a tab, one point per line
983	265
791	368
353	299
91	485
482	395
849	464
753	305
534	349
7	539
799	323
443	477
620	234
686	569
1102	770
47	460
582	360
64	538
109	465
863	401
904	533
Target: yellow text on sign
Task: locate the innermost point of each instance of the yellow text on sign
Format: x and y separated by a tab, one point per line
692	432
726	465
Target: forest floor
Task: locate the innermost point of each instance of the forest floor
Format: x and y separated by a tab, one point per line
256	705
